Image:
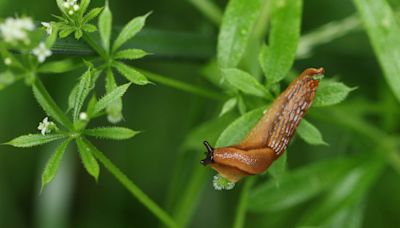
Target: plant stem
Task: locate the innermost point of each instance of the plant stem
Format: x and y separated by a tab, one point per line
242	207
209	9
132	188
93	44
58	114
182	86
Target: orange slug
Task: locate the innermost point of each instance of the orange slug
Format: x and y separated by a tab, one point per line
267	141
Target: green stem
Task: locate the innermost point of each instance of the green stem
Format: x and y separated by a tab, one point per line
209	9
242	207
132	188
182	86
57	113
93	44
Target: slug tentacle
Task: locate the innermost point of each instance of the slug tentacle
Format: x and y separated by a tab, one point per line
272	134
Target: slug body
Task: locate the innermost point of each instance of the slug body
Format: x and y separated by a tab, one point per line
268	140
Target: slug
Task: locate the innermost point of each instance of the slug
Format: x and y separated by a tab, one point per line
267	141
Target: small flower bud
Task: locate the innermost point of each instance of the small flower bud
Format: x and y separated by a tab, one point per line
83	116
7	61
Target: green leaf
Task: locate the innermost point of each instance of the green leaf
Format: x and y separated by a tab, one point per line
92	14
116	133
330	92
57	67
60	4
105	26
277	59
52	38
244	82
237	24
349	191
83	6
130	30
52	165
34	140
310	134
130	54
91	105
239	128
114	110
131	74
89	28
66	32
83	90
78	34
300	185
109	98
228	106
383	30
88	160
6	78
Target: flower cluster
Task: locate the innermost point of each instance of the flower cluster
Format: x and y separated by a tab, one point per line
41	52
72	6
48	27
220	183
16	29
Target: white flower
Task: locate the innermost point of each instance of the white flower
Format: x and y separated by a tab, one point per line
83	116
46	126
41	52
49	28
7	61
16	29
72	6
220	183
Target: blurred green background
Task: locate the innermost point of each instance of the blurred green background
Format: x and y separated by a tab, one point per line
167	116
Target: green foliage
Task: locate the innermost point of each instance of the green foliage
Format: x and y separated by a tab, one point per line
383	30
117	133
277	58
310	134
105	26
131	74
83	90
110	97
34	140
89	161
237	24
331	93
53	164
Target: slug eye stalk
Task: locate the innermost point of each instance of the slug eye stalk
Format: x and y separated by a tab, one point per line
267	141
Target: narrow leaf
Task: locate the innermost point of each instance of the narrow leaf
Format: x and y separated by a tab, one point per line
237	24
330	93
114	110
88	160
228	106
355	184
244	82
52	165
383	30
278	168
83	89
105	23
131	74
83	6
130	54
57	67
130	30
239	128
34	140
278	57
310	134
110	97
117	133
92	14
300	185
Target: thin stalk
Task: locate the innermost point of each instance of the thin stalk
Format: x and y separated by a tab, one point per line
242	207
167	81
188	202
209	9
39	87
132	188
93	44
